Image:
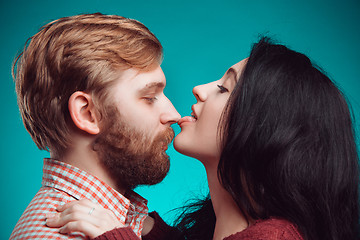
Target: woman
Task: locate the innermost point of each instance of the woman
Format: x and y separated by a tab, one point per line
276	139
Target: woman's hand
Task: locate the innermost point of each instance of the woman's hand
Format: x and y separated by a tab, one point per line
83	216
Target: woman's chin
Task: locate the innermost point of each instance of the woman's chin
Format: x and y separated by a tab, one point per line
183	146
179	144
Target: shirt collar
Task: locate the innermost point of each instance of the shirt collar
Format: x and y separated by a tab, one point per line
80	184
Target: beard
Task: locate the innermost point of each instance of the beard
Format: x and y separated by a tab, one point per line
131	158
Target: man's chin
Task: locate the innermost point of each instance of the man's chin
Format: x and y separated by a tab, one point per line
148	184
130	158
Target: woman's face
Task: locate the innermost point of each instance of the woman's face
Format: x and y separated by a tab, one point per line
199	133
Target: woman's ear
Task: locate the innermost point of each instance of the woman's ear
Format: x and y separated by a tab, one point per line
83	112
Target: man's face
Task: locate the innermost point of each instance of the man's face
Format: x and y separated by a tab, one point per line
135	136
140	99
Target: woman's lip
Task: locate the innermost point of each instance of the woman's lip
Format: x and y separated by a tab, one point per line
193	111
186	119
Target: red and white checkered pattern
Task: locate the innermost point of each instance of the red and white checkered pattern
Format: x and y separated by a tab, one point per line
63	183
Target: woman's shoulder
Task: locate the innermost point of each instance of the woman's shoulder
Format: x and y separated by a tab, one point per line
269	229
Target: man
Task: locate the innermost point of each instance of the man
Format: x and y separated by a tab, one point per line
90	91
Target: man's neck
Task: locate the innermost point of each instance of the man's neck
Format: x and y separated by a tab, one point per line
229	218
85	158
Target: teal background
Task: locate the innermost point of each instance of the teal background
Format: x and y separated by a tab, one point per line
201	40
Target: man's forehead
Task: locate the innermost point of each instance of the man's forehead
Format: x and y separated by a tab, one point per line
154	79
148	79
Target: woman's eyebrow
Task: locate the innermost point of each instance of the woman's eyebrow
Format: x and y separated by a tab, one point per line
233	72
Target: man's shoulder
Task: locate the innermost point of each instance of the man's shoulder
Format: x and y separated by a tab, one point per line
31	224
46	200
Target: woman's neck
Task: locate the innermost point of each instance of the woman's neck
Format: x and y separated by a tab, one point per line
229	218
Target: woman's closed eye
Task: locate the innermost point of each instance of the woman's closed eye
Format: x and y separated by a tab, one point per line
222	89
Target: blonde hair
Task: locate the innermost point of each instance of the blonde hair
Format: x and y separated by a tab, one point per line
78	53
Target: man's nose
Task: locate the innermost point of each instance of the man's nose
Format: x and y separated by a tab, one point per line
170	114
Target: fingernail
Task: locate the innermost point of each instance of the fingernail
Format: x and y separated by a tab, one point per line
49	221
59	207
51	218
50	215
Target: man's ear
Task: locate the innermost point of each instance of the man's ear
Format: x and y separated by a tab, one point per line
83	112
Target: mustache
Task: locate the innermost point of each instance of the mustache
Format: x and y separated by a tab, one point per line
165	137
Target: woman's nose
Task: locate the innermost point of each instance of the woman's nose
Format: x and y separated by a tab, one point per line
200	93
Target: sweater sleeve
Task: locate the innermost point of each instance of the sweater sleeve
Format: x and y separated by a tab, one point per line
161	230
118	234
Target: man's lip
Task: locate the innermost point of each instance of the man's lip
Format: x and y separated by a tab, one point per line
165	146
186	119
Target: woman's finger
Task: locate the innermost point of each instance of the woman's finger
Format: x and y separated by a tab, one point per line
84	206
84	212
60	219
62	207
80	226
87	207
53	220
83	216
81	202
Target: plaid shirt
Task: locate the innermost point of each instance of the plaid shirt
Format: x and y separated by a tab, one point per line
63	183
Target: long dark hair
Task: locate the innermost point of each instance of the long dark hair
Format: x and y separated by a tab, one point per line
289	146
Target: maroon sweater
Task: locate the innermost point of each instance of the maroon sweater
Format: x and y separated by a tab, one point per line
270	229
160	231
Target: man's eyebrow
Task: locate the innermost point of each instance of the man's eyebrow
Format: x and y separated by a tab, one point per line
152	85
